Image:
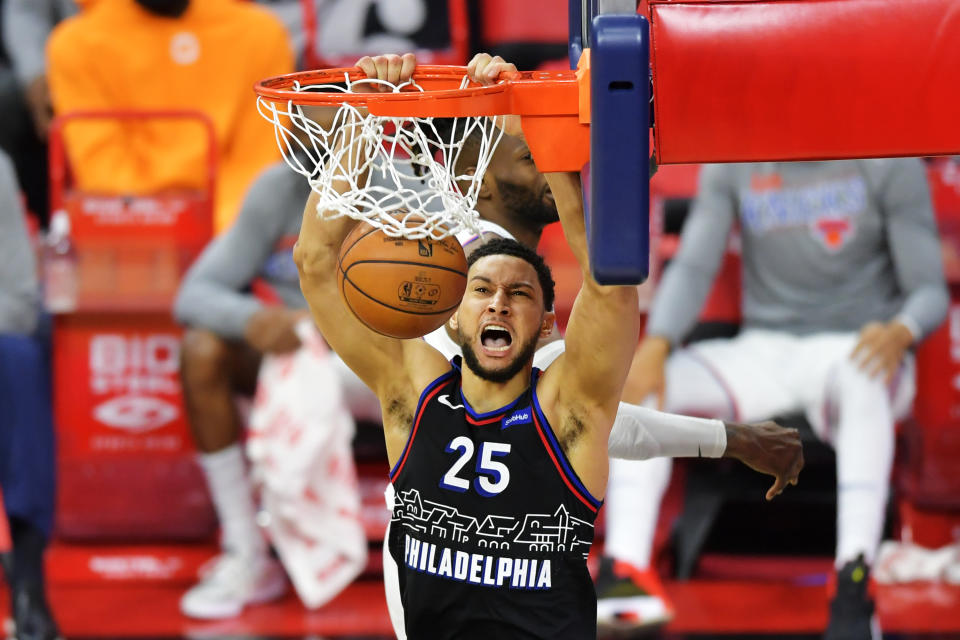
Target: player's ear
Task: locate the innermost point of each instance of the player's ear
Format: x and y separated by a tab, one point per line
452	322
546	326
486	184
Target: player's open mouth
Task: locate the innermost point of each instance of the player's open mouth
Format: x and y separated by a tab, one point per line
495	339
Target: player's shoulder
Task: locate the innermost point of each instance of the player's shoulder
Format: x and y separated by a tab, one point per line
68	36
425	368
277	194
720	175
884	171
280	179
889	165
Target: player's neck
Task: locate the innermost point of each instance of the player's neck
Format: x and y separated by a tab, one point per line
523	234
527	237
484	395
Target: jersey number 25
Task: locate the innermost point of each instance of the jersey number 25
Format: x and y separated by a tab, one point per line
493	477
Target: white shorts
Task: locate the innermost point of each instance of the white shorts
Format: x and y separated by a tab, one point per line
768	373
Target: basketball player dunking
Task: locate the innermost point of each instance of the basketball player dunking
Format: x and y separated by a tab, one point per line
498	468
516	203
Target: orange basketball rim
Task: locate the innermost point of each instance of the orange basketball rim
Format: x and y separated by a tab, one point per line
554	105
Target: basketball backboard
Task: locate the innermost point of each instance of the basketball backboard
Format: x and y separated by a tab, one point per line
617	189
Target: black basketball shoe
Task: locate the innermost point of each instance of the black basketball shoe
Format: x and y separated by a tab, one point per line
852	611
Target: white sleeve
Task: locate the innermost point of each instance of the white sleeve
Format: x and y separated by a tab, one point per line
639	433
442	342
467	237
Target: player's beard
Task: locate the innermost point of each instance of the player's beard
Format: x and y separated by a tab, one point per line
527	207
504	374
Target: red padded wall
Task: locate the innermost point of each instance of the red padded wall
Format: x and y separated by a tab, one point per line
805	79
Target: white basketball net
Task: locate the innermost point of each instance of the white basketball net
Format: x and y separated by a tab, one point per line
411	165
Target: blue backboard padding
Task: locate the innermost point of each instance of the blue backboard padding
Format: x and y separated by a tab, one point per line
618	224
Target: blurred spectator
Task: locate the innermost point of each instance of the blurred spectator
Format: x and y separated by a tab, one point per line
26	26
26	423
24	95
326	32
230	330
842	278
167	54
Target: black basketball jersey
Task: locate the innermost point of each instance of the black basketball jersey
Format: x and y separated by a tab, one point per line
491	526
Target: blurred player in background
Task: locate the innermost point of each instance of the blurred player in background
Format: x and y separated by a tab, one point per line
167	54
229	329
26	26
26	421
25	93
328	33
842	278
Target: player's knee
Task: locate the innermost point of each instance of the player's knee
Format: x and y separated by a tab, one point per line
862	393
850	378
203	357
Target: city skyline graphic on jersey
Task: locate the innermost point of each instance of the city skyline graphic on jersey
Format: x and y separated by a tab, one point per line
538	532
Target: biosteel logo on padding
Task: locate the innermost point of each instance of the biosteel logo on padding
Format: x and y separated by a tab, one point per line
135	413
136	372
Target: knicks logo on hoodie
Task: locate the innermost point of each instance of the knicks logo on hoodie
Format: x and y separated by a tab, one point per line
828	209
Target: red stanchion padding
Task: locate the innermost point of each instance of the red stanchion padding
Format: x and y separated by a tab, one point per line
126	465
931	477
5	543
804	80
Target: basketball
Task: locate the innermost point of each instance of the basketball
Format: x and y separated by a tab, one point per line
398	287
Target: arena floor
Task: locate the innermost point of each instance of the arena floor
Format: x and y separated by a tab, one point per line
708	609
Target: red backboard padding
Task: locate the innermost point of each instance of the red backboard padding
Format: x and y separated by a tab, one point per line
751	80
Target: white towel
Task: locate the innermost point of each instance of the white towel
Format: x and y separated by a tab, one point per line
899	562
299	444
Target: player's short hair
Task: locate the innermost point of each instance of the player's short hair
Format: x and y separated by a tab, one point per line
472	139
507	247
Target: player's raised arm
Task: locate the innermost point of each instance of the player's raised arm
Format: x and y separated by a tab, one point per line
369	354
390	367
601	334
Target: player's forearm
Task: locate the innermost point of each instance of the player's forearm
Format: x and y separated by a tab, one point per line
926	307
321	232
640	433
219	309
568	194
914	244
319	243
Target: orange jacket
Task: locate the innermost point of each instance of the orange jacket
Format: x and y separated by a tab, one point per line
117	55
